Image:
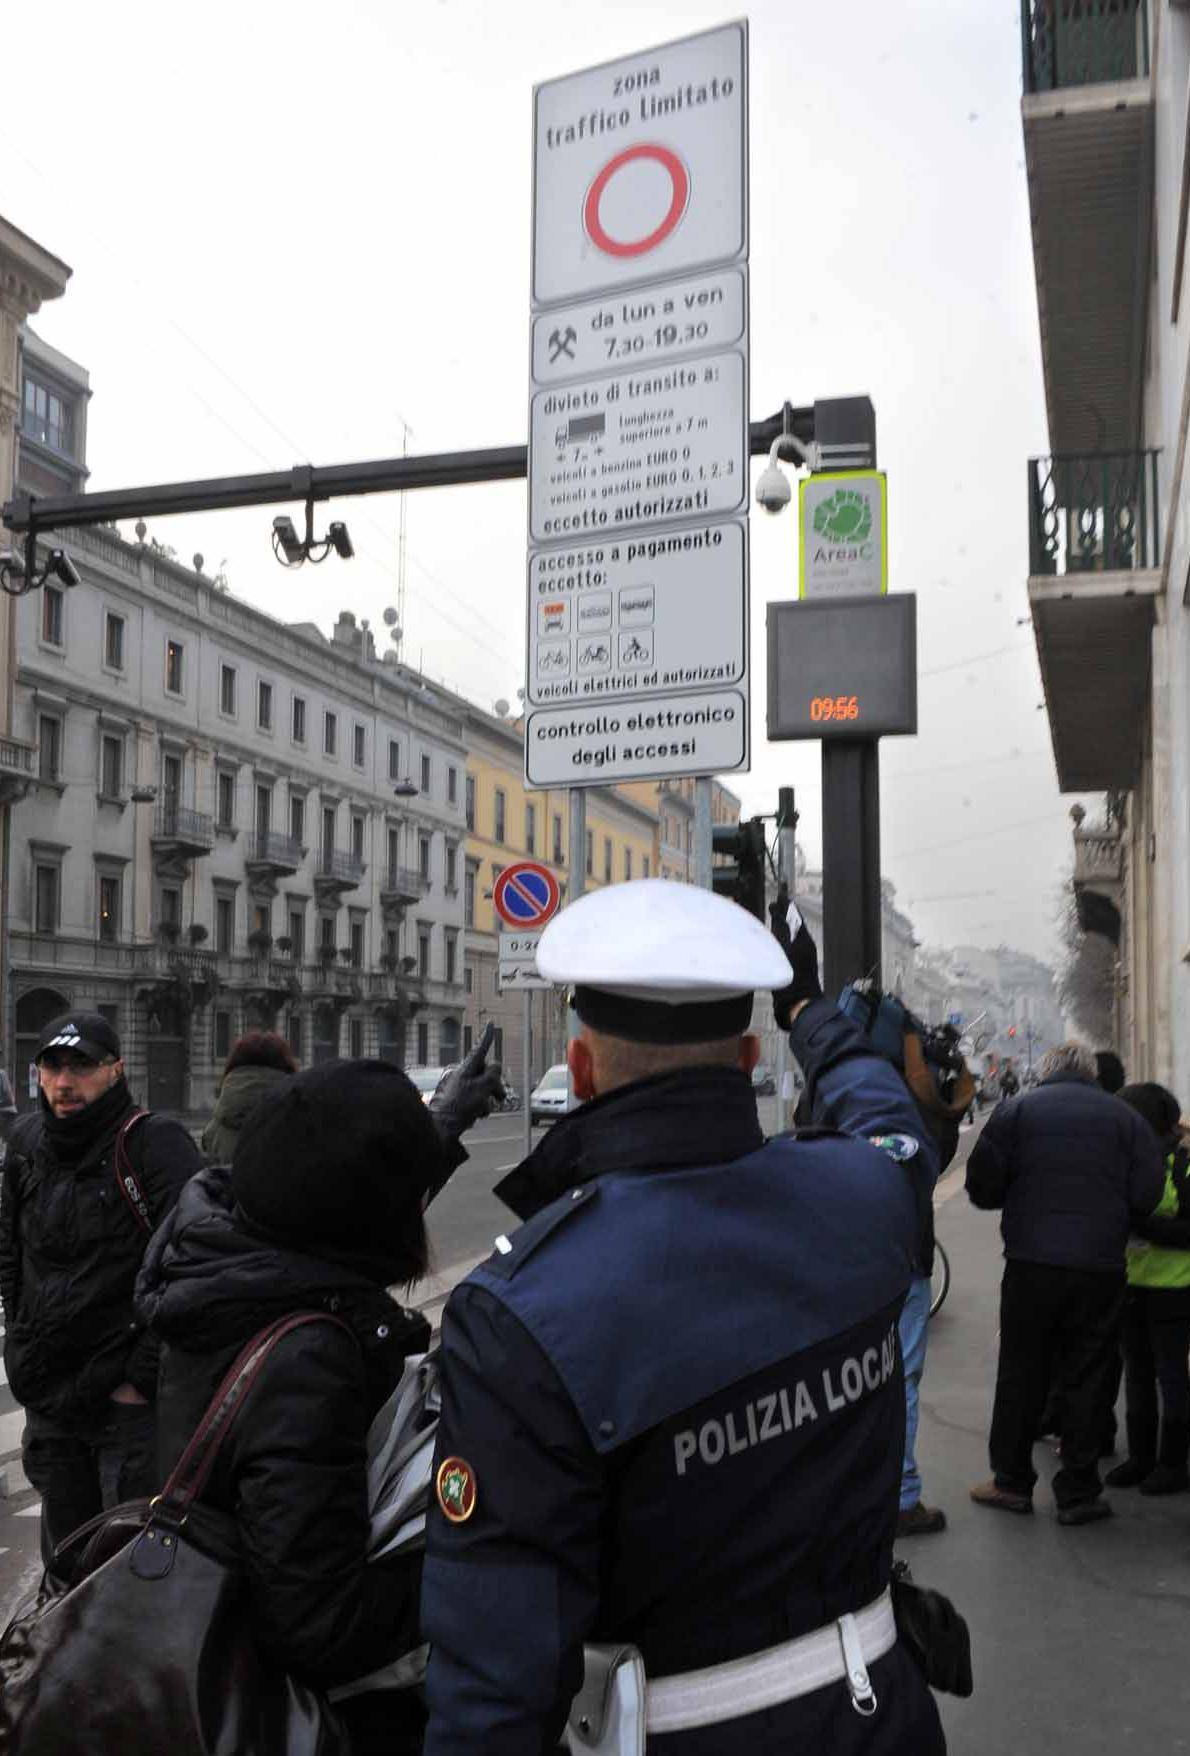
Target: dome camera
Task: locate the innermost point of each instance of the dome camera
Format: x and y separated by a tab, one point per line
773	491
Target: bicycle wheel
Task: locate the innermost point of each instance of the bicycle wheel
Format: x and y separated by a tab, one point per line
939	1280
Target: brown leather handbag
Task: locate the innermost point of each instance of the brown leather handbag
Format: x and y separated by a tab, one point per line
140	1642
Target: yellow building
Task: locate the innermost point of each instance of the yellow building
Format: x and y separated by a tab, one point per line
671	803
637	829
505	823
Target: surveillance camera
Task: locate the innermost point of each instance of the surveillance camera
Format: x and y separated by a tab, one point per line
773	491
337	537
12	563
285	538
63	568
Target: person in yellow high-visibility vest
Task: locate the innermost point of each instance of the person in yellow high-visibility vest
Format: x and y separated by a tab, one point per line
1156	1337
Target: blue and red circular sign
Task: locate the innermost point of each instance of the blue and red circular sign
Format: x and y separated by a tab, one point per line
526	895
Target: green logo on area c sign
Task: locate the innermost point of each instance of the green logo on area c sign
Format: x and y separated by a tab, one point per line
846	517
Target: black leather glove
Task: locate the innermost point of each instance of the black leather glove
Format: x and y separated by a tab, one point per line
468	1093
802	954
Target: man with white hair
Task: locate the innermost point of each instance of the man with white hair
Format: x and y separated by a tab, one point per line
1070	1168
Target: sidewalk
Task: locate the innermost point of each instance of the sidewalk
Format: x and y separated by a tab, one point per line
1078	1634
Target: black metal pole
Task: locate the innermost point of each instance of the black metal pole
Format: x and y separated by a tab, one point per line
851	901
33	514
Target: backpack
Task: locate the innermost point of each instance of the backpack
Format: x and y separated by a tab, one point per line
400	1463
929	1061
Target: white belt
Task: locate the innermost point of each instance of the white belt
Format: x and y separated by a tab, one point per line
839	1651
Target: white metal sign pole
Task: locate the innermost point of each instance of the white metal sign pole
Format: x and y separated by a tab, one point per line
526	1060
702	831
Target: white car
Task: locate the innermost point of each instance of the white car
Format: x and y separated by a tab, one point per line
551	1096
427	1080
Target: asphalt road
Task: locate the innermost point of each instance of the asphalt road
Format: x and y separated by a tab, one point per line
1078	1634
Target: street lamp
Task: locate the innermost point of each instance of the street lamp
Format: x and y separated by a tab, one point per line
406	789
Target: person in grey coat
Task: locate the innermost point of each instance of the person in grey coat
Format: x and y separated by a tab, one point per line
258	1063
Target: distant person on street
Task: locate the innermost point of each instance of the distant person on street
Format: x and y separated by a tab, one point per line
1110	1070
257	1063
87	1178
1072	1169
1010	1085
1157	1316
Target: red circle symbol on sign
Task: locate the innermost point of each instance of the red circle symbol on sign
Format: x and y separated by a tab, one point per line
679	181
526	895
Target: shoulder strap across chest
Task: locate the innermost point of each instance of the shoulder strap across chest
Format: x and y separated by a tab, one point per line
126	1178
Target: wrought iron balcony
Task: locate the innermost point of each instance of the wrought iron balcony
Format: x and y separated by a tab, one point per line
402	885
1083	42
1093	514
337	871
180	831
272	853
1094	578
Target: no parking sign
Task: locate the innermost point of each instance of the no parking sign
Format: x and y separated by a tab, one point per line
526	895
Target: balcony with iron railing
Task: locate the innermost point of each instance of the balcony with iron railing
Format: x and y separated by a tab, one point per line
1088	120
1094	578
177	830
401	885
1095	513
337	871
272	854
1083	42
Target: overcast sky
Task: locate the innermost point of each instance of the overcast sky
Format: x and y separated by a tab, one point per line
295	228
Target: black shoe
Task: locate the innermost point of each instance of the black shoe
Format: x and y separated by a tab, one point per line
1084	1512
1128	1474
1165	1479
920	1520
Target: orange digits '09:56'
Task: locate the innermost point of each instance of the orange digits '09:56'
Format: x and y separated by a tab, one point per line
834	707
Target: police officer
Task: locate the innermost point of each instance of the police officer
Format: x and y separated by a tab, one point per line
673	1407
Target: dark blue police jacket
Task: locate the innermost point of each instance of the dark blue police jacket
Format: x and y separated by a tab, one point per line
679	1400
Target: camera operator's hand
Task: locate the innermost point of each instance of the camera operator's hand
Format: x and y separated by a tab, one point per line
469	1093
802	953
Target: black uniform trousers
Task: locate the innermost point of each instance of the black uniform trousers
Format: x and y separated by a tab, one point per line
1059	1328
1156	1343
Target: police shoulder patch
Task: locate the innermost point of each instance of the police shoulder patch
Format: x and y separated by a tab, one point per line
902	1147
455	1487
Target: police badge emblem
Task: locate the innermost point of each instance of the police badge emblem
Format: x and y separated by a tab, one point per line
455	1486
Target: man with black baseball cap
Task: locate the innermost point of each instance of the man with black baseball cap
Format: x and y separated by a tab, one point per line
88	1177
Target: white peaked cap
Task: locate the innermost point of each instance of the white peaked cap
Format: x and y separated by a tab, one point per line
652	939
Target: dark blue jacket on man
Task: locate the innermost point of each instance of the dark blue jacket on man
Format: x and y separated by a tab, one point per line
1072	1168
676	1400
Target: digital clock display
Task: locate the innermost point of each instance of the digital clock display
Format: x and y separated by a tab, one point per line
843	667
834	707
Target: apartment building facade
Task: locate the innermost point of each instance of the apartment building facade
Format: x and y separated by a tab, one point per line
1107	150
235	823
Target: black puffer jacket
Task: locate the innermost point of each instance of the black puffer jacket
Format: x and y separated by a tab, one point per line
1072	1169
70	1248
293	1470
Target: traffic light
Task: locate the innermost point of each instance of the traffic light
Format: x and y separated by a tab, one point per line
742	882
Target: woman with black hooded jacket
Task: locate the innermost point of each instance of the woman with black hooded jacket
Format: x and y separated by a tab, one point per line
320	1210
